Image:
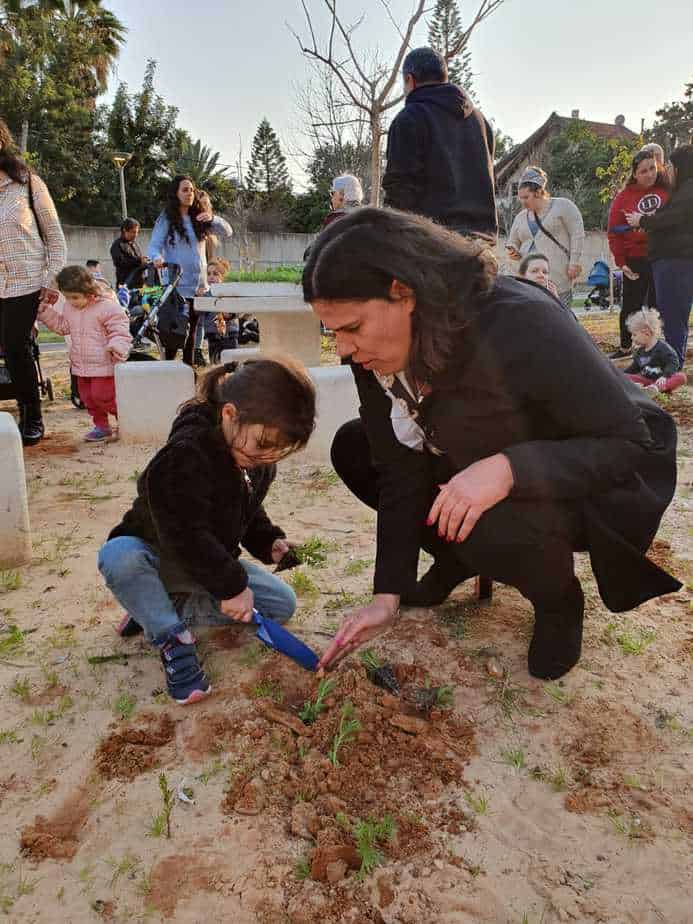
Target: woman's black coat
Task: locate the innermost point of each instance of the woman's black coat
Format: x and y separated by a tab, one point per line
526	380
195	507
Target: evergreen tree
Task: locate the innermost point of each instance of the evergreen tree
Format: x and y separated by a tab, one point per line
674	123
444	34
267	171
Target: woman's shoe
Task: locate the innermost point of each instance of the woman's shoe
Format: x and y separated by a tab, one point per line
32	428
557	640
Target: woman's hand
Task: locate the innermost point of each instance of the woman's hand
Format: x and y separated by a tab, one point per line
116	355
240	607
48	296
279	549
204	217
633	219
361	626
551	286
469	494
629	274
573	271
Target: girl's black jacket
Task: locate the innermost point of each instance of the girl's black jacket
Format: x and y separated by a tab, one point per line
195	507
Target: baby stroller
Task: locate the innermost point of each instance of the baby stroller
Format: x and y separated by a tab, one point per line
158	303
7	392
599	280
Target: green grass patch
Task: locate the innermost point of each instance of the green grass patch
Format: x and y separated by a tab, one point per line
275	274
10	580
303	585
125	706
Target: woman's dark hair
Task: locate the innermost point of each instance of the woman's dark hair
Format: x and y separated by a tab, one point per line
682	159
530	258
635	163
127	224
77	279
358	257
10	160
275	392
172	212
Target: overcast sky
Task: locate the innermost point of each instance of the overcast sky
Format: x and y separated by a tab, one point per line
231	62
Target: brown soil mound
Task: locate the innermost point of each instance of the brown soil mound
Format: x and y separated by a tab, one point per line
57	837
180	876
129	752
53	444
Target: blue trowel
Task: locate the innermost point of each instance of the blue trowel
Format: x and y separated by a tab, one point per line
276	637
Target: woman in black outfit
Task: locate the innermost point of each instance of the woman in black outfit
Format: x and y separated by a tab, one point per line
477	443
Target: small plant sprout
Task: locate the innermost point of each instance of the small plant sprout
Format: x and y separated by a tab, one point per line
302	868
125	706
514	757
477	803
162	822
558	693
11	642
349	725
368	834
370	660
303	585
312	708
356	566
445	697
268	689
313	552
629	826
21	689
10	580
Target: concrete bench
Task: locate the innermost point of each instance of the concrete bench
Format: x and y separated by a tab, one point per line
287	324
337	402
229	356
15	532
148	397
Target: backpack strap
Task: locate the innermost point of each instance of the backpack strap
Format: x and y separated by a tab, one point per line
32	206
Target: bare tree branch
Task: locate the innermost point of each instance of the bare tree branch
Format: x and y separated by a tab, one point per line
486	9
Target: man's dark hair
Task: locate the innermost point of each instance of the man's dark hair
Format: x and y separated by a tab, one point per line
93	262
358	257
127	224
425	65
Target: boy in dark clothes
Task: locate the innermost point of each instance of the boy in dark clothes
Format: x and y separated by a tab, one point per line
127	257
655	364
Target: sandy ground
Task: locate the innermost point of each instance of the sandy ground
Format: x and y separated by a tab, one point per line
524	802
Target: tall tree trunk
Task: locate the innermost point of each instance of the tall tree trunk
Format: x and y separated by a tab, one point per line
376	136
24	137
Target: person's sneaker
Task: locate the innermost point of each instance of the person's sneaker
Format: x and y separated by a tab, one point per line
186	681
127	627
620	353
98	435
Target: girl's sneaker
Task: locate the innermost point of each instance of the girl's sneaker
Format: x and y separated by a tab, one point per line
186	681
98	435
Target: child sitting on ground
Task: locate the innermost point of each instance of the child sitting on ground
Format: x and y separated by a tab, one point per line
99	337
535	266
174	560
655	364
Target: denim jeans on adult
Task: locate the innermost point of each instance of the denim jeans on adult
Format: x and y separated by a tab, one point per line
130	568
674	286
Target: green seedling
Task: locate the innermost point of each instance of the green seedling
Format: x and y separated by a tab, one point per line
558	693
8	737
37	745
632	640
344	599
357	566
368	834
370	660
322	479
302	869
11	642
10	580
50	716
162	821
477	803
313	707
514	757
445	697
21	689
627	825
313	552
349	725
125	706
127	866
303	585
268	689
215	768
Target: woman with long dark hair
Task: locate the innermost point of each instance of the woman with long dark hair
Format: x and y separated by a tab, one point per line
32	251
645	192
477	443
179	236
670	237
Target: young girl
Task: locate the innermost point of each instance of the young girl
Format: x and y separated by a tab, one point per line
655	364
221	330
100	337
174	559
535	266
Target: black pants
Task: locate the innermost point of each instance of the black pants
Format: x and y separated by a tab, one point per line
189	344
525	544
17	317
636	293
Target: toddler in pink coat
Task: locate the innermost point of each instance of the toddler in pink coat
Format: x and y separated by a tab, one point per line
100	334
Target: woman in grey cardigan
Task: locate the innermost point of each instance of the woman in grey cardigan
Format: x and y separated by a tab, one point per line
551	225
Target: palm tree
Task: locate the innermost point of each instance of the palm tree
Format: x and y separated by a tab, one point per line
196	160
99	27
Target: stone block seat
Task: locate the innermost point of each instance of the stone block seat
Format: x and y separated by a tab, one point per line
148	397
15	531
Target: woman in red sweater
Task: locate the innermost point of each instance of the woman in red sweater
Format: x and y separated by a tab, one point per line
644	193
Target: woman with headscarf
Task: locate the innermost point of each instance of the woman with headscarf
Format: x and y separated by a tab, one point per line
346	195
670	249
32	252
477	443
553	226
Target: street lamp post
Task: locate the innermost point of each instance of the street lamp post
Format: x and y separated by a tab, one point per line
121	159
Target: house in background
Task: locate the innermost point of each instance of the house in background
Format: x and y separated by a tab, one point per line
510	168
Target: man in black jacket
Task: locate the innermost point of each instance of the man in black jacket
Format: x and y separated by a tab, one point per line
440	151
126	255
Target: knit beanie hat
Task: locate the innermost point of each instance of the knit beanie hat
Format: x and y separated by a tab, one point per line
350	186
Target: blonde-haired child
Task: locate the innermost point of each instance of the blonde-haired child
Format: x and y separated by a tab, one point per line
100	337
655	364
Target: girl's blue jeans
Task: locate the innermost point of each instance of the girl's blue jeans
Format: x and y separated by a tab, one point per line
130	568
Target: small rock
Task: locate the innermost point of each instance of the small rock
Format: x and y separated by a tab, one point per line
304	820
336	870
494	668
409	723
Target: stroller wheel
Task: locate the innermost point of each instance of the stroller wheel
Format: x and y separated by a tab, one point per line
49	390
